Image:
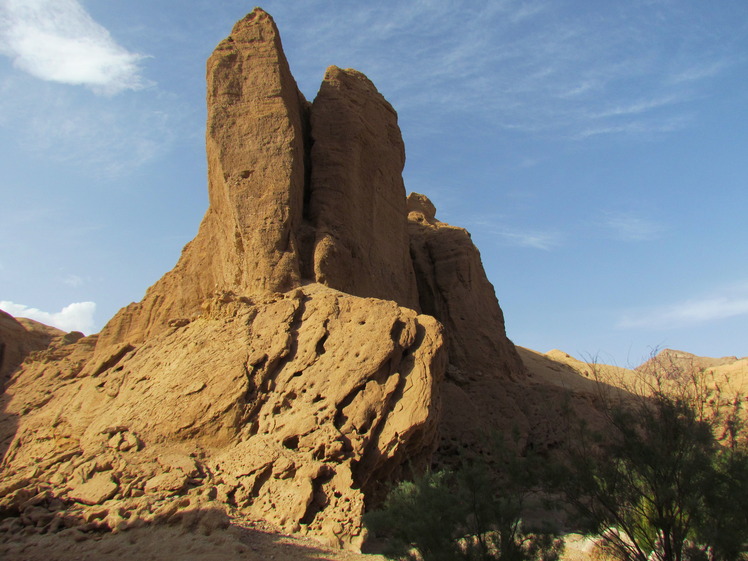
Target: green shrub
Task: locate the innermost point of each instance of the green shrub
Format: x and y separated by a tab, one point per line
472	513
665	478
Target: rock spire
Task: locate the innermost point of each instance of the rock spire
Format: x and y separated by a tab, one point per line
319	337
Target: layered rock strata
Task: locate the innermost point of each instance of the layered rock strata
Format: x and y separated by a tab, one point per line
318	338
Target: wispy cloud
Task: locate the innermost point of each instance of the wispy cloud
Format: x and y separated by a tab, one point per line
545	241
532	66
730	303
633	228
646	127
58	41
78	316
107	136
523	237
73	281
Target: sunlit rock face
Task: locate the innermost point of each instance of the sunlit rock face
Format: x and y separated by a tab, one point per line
320	337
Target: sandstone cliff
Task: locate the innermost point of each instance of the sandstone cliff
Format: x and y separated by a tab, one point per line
319	337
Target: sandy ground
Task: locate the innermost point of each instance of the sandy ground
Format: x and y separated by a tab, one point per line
169	543
164	543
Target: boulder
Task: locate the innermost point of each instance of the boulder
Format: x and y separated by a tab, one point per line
100	488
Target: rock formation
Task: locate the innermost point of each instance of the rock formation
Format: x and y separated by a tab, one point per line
357	199
18	340
318	338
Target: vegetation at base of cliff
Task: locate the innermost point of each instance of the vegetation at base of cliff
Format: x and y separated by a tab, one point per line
663	476
666	477
470	513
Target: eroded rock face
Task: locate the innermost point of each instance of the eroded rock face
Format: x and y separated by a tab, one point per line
313	343
480	391
297	192
18	338
289	408
255	143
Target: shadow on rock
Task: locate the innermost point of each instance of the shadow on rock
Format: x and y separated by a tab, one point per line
43	529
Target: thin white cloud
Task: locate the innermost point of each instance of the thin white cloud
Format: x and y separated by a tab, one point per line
73	280
509	235
636	107
632	228
698	72
107	136
545	241
58	41
535	67
732	302
637	127
78	316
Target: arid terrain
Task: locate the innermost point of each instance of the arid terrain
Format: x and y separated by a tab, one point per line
323	337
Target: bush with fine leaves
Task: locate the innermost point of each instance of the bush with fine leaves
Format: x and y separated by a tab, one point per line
473	513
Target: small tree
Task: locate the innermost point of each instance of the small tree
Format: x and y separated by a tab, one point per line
651	482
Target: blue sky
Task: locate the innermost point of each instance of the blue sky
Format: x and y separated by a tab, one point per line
597	152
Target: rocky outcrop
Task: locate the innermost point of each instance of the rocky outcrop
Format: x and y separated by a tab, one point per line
289	409
480	390
297	193
453	287
357	199
320	336
257	165
20	337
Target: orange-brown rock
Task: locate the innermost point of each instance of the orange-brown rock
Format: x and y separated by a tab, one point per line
18	338
247	242
293	362
484	368
290	408
357	197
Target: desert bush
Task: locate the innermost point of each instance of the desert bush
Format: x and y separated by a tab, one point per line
665	477
471	513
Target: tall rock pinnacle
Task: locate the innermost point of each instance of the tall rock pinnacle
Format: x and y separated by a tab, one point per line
357	201
297	193
314	342
256	160
247	242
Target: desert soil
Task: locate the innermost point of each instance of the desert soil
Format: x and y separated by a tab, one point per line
240	541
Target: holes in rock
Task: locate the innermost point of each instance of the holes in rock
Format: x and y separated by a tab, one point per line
262	478
291	442
321	344
317	398
319	500
364	428
297	374
319	453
